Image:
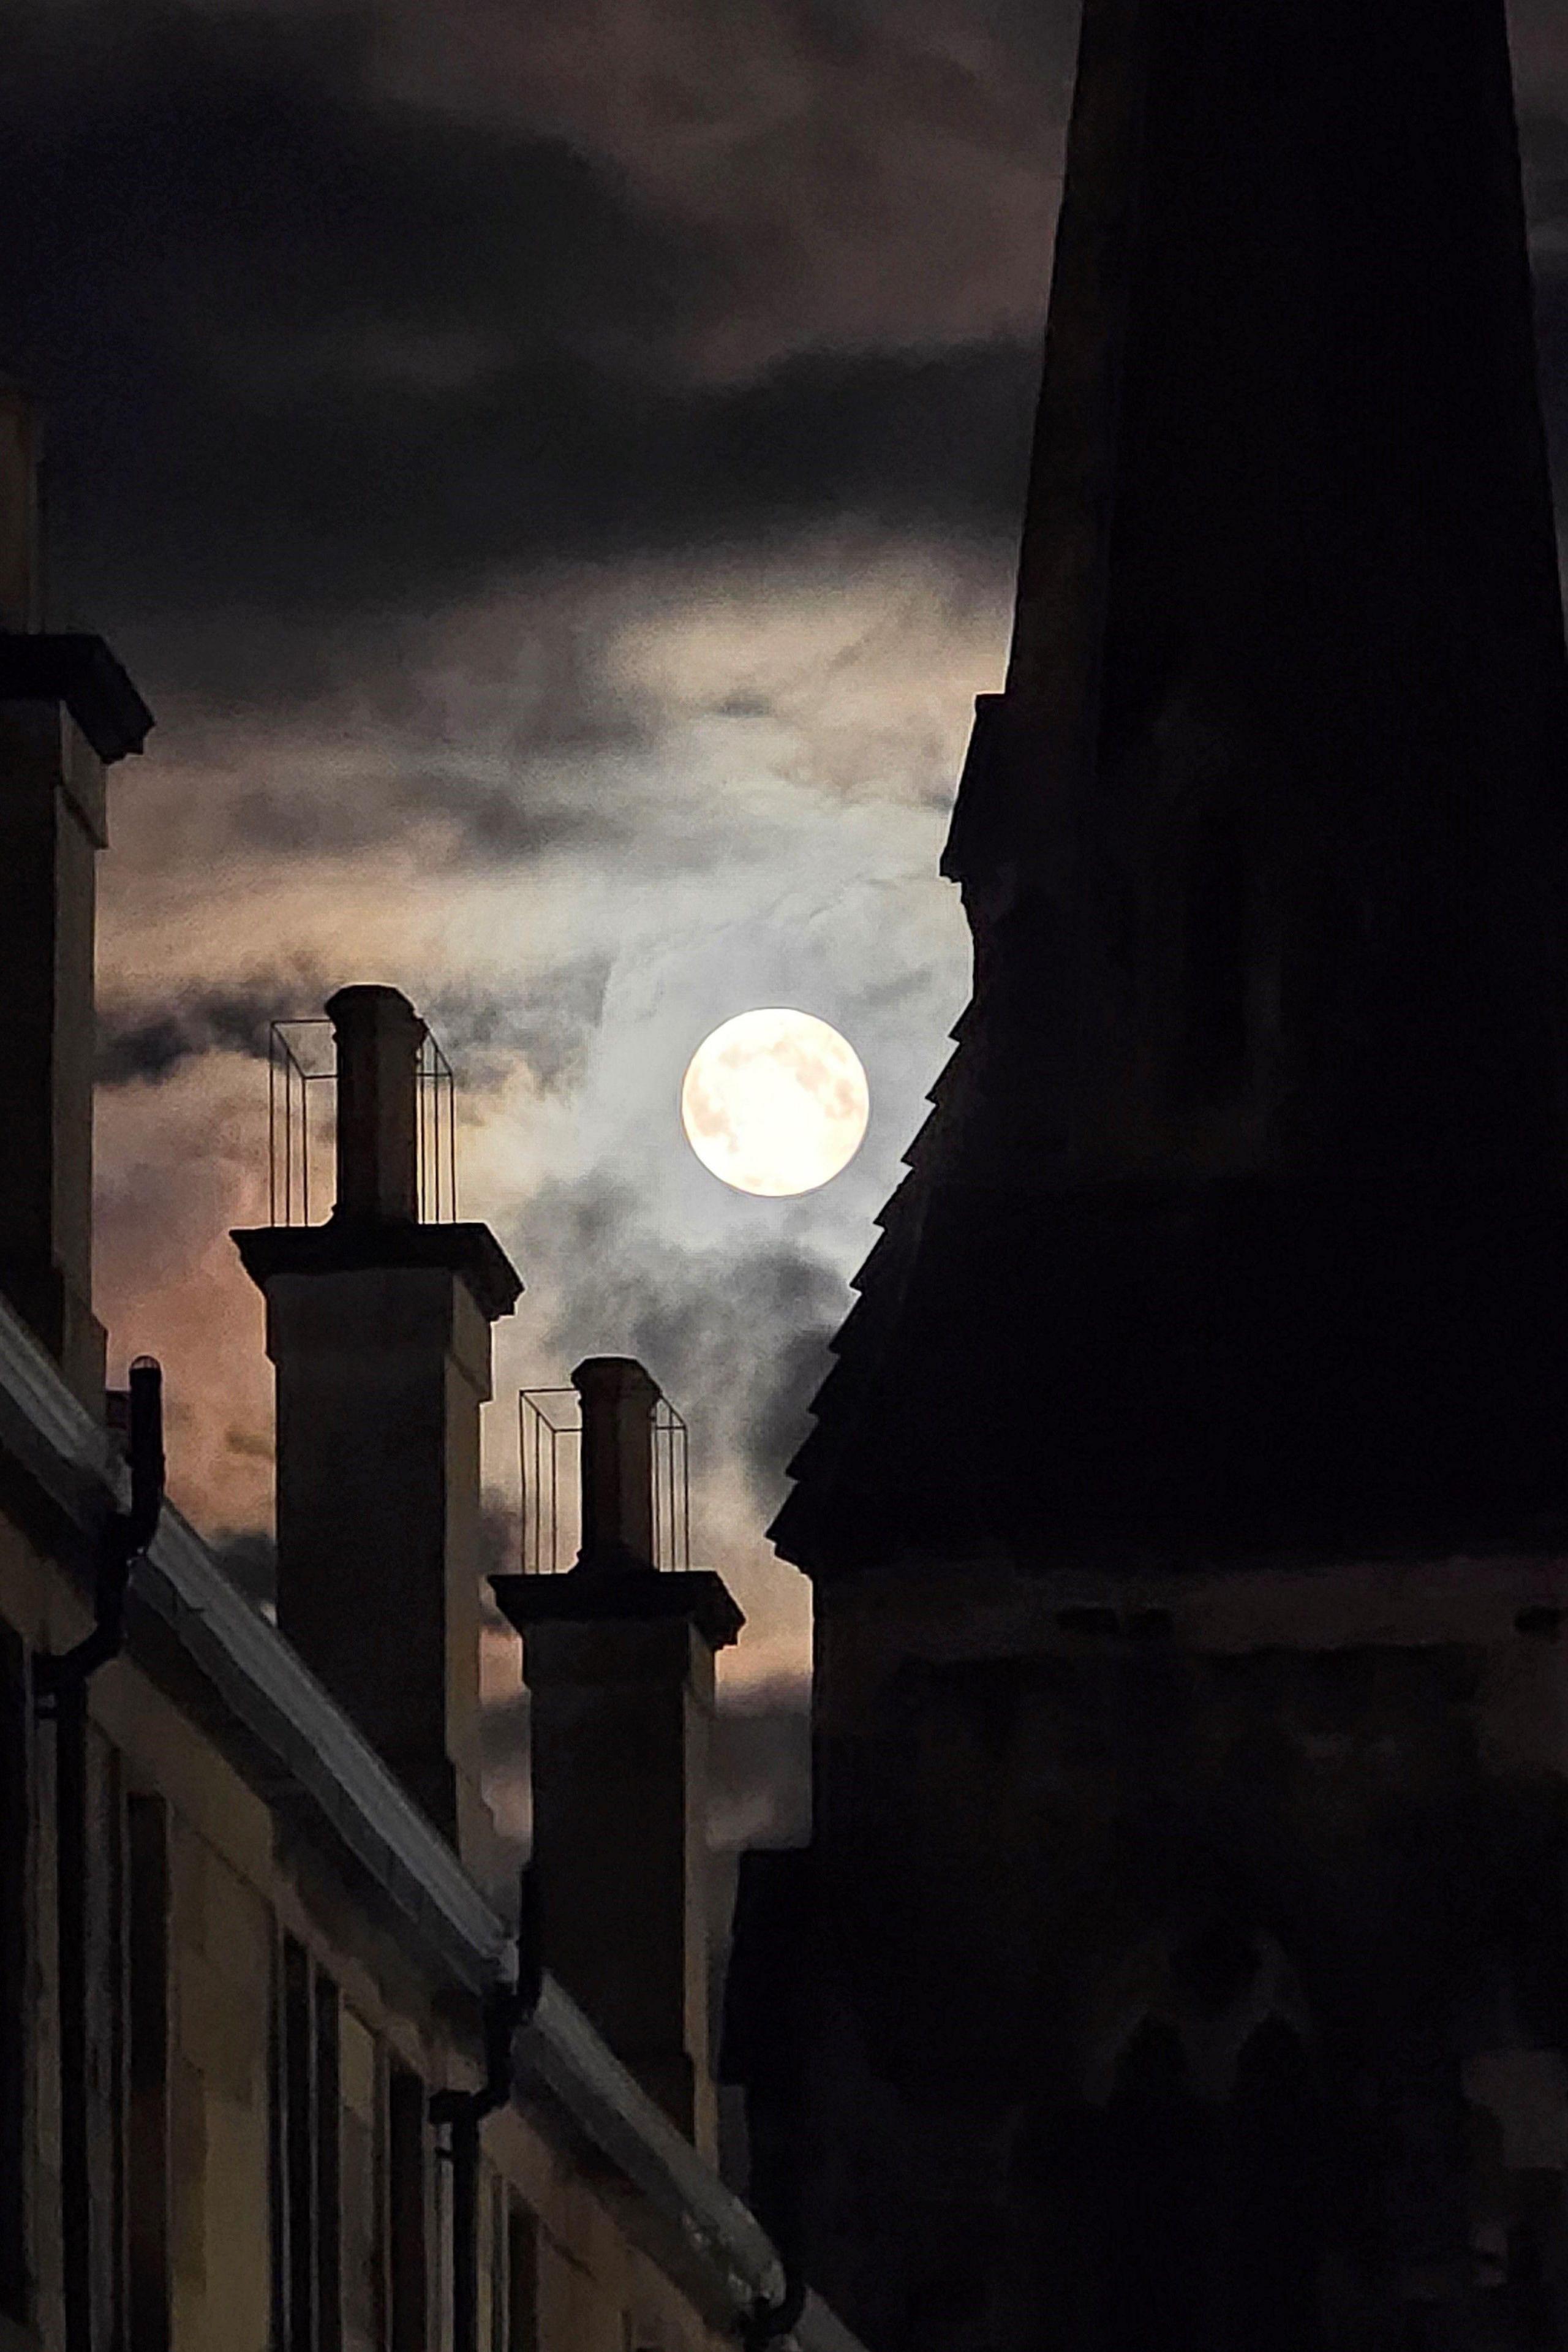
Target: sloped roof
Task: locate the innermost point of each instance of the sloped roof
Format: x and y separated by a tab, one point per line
61	1470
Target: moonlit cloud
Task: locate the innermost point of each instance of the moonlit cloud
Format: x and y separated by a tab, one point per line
766	830
555	472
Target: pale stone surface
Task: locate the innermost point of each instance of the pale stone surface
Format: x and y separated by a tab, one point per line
620	1728
381	1376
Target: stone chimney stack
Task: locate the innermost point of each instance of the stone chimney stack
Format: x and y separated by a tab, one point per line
66	711
618	1660
379	1327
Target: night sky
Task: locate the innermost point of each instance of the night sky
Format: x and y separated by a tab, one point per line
554	469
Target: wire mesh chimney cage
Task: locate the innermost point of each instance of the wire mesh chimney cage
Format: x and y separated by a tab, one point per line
302	1120
549	1441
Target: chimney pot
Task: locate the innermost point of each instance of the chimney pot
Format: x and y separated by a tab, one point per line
378	1035
618	1400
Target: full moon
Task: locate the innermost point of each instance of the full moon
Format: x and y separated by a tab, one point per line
775	1102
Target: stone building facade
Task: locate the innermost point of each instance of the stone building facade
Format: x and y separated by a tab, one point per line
1181	1958
284	2067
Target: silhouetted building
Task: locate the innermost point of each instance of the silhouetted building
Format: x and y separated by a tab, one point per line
618	1655
1181	1958
282	2068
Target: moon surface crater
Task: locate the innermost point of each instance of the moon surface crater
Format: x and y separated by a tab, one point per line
775	1102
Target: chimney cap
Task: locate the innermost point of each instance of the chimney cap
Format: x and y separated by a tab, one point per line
623	1596
78	669
602	1373
362	997
349	1247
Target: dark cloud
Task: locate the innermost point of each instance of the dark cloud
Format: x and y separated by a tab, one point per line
305	348
737	1340
262	302
143	1043
547	1024
485	739
311	346
463	821
484	1033
744	1348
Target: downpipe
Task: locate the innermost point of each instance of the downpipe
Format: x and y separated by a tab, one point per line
508	2008
60	1691
125	1537
509	2005
766	2324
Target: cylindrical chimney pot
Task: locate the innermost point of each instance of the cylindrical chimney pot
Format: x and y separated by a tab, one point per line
618	1400
378	1035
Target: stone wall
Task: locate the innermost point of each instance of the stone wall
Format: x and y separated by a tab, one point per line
1161	1968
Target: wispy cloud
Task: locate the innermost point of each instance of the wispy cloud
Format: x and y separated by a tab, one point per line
556	473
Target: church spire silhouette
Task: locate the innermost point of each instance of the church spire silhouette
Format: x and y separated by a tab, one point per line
1240	1220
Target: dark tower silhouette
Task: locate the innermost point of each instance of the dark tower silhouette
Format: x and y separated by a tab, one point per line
1243	1196
1185	1510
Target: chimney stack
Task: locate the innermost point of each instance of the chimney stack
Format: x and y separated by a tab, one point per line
378	1327
619	1661
66	711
